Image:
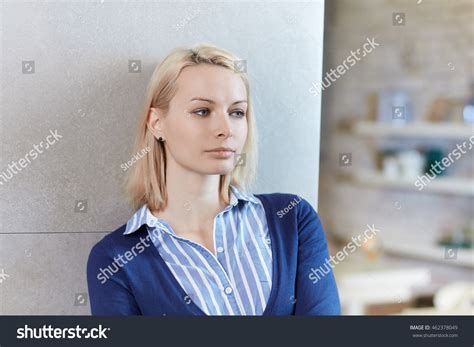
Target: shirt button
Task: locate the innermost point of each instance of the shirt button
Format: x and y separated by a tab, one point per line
220	249
268	241
228	290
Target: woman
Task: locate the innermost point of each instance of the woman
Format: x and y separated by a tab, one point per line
198	244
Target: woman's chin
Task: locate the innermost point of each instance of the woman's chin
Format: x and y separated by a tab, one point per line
221	169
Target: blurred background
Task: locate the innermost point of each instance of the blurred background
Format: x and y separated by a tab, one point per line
386	121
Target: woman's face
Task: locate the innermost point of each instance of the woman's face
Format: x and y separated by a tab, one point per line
209	110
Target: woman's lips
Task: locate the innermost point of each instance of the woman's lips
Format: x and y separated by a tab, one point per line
221	154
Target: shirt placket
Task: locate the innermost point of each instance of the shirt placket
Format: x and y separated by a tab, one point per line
219	259
216	262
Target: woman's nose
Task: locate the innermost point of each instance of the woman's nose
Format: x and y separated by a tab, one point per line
223	125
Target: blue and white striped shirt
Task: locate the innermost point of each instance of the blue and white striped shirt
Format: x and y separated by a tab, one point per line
235	282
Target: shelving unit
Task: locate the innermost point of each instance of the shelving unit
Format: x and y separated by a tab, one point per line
442	185
432	252
423	130
415	130
450	185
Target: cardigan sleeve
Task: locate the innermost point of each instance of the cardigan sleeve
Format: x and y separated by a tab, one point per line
109	296
318	297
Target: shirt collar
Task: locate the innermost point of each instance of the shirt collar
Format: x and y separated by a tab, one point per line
144	216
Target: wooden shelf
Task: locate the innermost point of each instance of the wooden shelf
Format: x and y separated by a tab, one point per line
415	130
442	185
413	249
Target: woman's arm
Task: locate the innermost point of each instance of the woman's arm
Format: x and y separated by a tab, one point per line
109	295
314	296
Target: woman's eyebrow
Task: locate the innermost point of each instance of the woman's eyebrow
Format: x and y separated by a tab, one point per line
213	102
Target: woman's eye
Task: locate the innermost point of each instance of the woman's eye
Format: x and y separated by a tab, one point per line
203	112
239	114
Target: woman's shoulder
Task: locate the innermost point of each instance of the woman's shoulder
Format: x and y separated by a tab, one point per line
115	241
288	204
279	199
276	196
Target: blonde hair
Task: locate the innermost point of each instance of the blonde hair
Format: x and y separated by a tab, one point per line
146	181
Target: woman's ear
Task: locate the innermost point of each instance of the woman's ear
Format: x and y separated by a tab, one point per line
154	122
